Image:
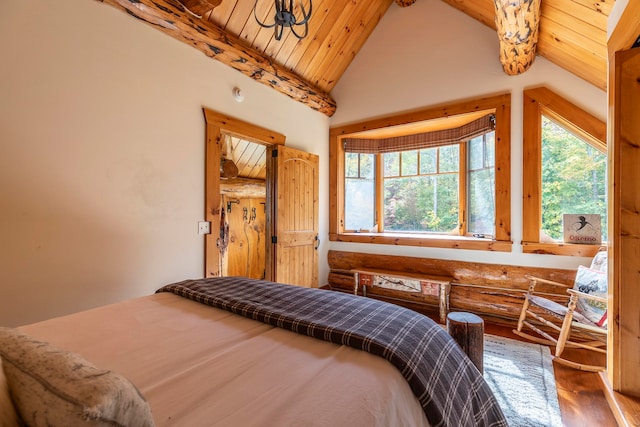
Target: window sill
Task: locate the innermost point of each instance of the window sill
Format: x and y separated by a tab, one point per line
567	249
436	241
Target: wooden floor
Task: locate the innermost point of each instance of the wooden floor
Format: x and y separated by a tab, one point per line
582	400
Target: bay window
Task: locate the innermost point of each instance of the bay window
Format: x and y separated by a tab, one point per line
437	182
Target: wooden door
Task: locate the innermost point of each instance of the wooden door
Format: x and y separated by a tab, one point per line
243	245
292	225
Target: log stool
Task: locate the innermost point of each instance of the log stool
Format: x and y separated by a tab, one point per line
467	330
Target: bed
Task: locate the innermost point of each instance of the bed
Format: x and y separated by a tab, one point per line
243	352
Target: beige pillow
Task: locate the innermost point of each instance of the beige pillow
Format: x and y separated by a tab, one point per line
8	416
54	387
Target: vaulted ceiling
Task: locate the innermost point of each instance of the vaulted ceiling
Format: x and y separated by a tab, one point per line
572	35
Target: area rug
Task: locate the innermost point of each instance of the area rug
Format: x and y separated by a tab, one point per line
521	377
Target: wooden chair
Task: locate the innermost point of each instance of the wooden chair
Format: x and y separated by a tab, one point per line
584	318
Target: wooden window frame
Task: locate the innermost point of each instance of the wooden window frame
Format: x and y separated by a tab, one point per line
500	105
536	103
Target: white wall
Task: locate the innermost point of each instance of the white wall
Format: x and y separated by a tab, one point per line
428	54
102	155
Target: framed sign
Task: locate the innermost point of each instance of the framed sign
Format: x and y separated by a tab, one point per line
582	228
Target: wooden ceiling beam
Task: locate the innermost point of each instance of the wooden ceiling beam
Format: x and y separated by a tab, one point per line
517	24
200	7
170	18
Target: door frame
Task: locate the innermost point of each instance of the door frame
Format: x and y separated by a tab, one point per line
217	125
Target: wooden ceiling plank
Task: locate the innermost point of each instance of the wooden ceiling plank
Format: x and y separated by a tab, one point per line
581	11
575	64
331	45
311	45
265	11
211	40
265	36
239	17
601	6
220	15
328	74
256	161
321	66
562	34
281	49
574	16
573	51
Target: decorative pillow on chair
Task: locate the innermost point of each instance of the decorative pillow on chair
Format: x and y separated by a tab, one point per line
599	262
8	416
54	387
591	282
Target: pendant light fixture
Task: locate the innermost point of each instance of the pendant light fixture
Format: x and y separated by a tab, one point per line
285	17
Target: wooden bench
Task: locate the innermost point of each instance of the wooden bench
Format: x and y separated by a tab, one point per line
436	286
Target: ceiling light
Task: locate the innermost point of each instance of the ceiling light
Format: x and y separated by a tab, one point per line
285	17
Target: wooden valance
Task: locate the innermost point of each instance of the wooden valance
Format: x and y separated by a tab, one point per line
423	140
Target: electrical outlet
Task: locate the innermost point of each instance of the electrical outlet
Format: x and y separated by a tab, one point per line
204	227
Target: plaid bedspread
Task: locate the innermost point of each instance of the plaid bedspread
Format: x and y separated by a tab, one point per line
448	386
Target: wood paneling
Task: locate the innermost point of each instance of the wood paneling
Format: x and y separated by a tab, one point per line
624	265
493	291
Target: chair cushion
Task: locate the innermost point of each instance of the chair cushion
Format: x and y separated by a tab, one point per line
593	282
555	309
50	386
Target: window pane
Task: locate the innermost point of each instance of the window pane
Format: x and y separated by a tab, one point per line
391	164
359	203
476	153
409	163
490	149
351	165
481	186
428	160
423	203
367	165
449	158
574	179
482	206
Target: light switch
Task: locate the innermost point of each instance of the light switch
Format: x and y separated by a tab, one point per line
204	227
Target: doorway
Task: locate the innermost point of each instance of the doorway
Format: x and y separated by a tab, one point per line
243	173
221	133
290	205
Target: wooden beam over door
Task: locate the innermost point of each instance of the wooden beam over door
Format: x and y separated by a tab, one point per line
171	18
